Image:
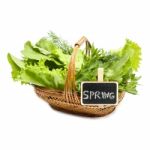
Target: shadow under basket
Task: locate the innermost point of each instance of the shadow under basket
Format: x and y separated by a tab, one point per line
56	99
68	100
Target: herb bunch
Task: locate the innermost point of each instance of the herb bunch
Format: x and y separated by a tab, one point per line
45	64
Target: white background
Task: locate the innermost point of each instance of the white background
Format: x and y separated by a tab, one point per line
27	122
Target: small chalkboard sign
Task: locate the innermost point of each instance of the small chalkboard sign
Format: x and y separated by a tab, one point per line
97	93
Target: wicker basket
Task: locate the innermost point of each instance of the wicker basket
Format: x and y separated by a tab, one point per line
68	100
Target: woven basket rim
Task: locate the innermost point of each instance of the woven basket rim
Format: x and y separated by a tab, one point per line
57	102
47	90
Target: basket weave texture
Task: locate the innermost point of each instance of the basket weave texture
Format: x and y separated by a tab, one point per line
68	100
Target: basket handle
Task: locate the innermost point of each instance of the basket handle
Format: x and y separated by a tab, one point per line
70	87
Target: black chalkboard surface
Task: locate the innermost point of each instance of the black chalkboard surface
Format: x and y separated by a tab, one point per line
95	93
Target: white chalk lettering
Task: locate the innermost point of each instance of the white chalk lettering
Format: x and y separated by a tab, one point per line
98	95
85	94
92	93
108	95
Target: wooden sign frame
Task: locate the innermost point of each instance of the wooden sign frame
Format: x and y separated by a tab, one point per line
105	90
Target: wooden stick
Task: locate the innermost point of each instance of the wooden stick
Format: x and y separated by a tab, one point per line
100	74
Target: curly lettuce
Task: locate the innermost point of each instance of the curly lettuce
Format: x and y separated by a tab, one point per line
45	64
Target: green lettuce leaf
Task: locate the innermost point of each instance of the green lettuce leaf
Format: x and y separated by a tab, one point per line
45	64
16	65
41	76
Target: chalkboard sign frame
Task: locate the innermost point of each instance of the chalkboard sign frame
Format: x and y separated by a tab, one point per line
94	104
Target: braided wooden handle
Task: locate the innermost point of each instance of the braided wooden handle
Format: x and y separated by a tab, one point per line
70	86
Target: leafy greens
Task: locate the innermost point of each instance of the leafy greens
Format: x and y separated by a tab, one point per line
45	64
